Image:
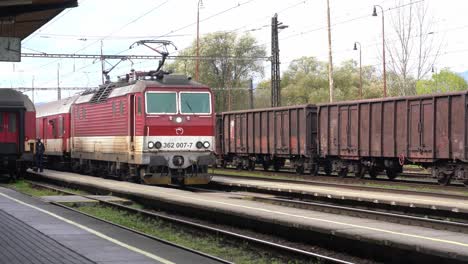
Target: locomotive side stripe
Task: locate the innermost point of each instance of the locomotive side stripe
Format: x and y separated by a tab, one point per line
92	231
176	130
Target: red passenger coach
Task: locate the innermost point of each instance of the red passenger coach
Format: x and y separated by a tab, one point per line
158	131
17	133
53	126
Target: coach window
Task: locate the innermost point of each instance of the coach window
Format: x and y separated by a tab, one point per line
53	127
139	105
113	108
84	113
78	113
121	108
161	103
12	123
1	122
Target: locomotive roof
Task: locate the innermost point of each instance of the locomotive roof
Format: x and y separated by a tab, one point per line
140	85
56	107
10	98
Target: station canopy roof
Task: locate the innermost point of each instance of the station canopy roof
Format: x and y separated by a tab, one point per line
20	18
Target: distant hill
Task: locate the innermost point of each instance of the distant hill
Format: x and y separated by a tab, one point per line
464	75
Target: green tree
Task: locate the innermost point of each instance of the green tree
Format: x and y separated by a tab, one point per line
227	69
306	81
444	81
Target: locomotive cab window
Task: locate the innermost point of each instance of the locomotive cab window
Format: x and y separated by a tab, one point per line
161	103
195	103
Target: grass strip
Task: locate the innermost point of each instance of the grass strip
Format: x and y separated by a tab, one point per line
207	243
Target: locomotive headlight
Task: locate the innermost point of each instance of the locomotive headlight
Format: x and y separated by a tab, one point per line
158	145
199	145
178	119
206	144
150	144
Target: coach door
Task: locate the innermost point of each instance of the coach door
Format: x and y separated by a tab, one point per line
132	122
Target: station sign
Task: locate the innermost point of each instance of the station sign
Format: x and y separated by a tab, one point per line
10	49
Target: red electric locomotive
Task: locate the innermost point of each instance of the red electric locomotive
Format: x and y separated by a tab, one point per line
157	130
17	132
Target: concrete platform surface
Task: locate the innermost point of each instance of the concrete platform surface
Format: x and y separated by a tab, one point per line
32	231
363	195
438	242
82	199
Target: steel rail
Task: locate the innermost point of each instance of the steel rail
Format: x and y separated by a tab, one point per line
202	227
344	185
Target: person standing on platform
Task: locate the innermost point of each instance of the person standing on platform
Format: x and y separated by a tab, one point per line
40	149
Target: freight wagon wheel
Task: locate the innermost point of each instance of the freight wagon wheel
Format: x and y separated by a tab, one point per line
314	169
327	169
360	172
373	173
251	166
277	166
443	179
343	173
266	166
391	174
465	183
300	170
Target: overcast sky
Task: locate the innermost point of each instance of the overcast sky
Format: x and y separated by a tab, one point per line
119	23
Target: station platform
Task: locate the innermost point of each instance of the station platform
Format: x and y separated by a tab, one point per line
410	200
33	231
440	243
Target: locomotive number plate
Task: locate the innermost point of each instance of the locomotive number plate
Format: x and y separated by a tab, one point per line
178	145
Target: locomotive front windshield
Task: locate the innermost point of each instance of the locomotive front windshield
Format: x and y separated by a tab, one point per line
161	103
195	103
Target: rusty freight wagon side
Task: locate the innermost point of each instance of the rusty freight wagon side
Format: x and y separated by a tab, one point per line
384	134
270	136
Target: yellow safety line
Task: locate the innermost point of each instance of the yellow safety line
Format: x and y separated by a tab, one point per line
97	233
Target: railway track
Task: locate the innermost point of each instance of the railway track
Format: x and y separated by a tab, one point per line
402	218
334	180
273	246
325	198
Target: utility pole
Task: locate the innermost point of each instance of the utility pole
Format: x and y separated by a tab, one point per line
275	62
330	59
251	99
102	64
59	92
32	88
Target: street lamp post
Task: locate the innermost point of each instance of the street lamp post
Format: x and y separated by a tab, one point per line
383	47
360	67
197	66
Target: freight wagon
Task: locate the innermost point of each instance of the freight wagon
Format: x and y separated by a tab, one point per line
269	137
358	137
384	134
